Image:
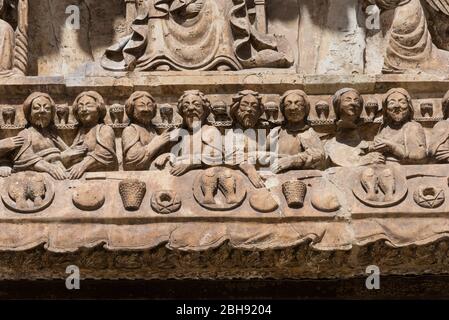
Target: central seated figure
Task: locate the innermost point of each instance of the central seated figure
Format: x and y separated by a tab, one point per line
196	35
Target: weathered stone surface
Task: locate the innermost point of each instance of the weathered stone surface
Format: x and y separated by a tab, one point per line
223	139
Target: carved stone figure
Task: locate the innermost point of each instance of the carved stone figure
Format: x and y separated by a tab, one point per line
349	148
202	144
13	43
41	149
400	139
295	145
246	111
417	38
439	138
141	144
94	138
196	35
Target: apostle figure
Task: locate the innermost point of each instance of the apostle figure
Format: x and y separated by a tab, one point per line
400	139
246	111
196	35
201	144
349	148
141	143
297	145
97	139
439	139
41	150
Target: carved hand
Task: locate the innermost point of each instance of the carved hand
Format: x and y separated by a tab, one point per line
10	144
54	170
161	161
159	141
284	164
180	169
74	154
372	158
78	170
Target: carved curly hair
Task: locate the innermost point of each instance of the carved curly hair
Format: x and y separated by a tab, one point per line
204	99
238	98
130	103
101	108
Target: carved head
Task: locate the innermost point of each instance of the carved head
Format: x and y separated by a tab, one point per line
348	105
194	107
295	105
39	109
247	108
89	108
141	107
397	106
445	103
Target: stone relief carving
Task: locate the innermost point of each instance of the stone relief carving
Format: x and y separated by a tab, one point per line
196	35
14	43
417	39
294	146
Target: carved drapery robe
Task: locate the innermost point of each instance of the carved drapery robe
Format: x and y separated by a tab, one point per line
38	146
135	138
439	142
100	142
206	149
306	141
7	37
412	137
412	43
347	152
221	35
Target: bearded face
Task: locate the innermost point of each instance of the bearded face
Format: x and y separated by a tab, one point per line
192	109
397	108
144	110
350	107
248	112
41	112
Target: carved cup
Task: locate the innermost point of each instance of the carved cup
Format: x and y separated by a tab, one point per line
371	109
295	193
132	192
322	110
219	111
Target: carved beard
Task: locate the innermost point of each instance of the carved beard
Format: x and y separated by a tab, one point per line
247	120
398	118
41	122
192	119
